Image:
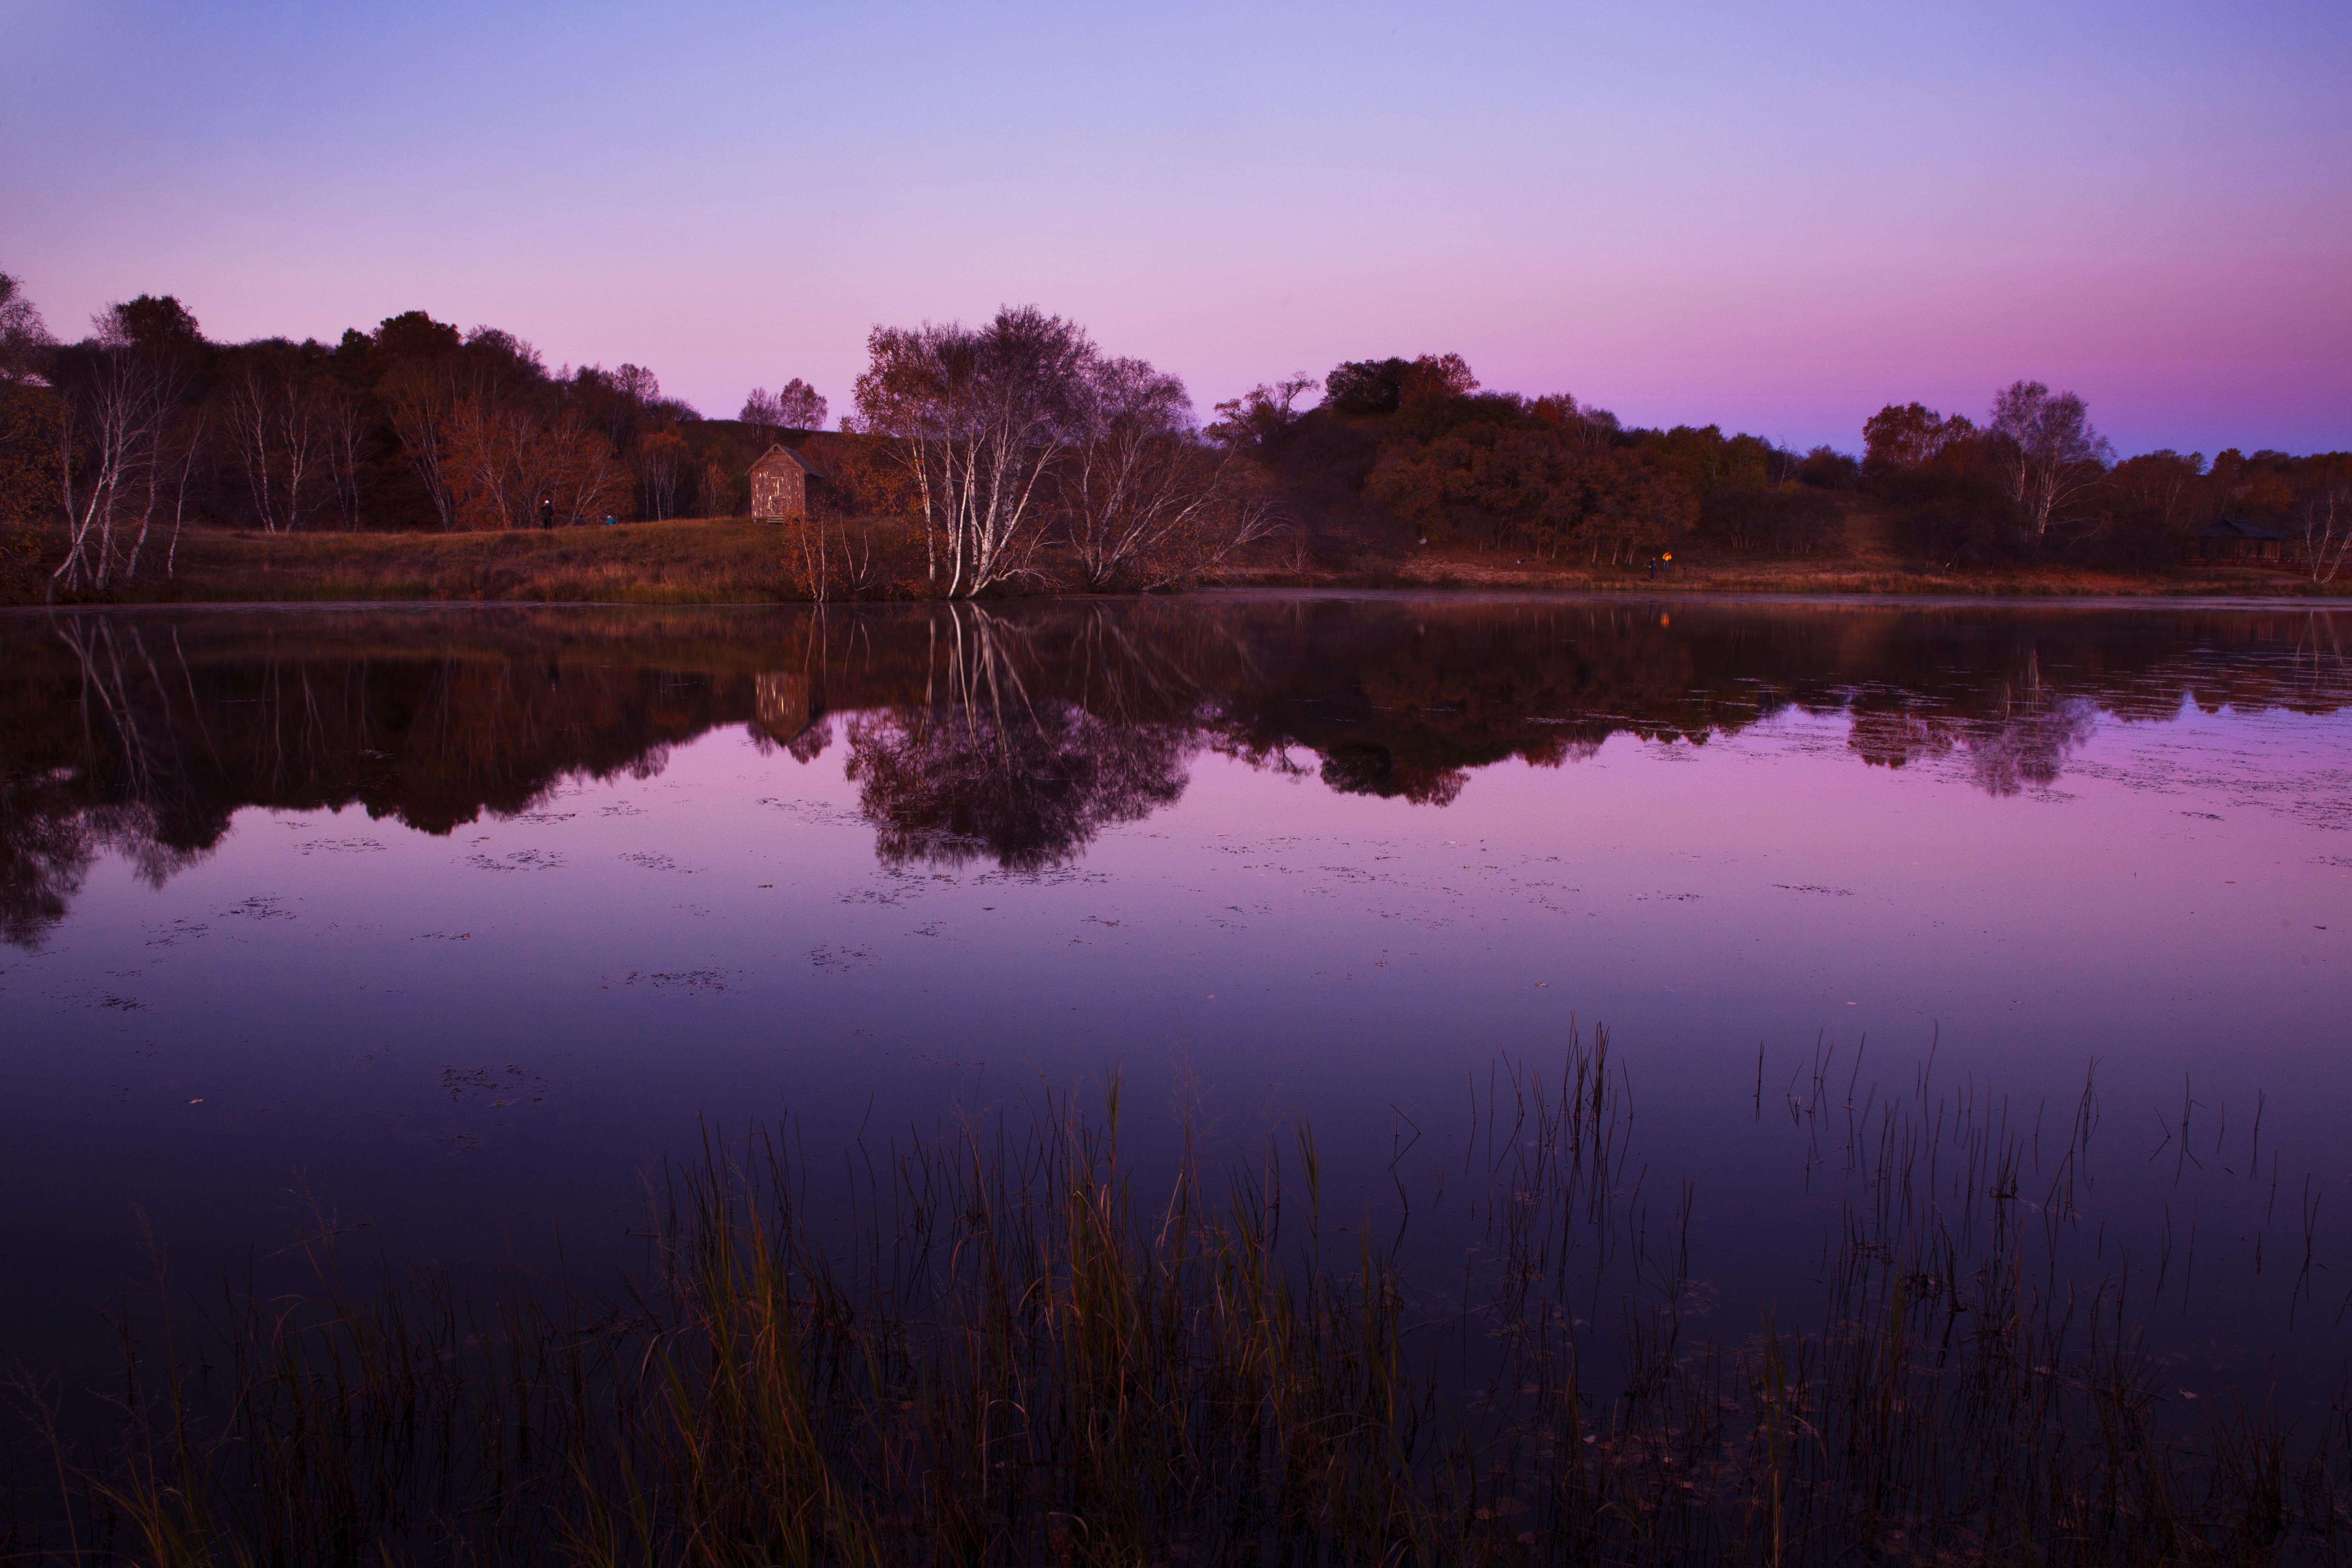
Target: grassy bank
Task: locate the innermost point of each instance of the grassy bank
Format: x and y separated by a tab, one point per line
1011	1347
1827	575
676	563
735	560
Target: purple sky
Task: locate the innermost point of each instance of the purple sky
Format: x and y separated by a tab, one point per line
1772	217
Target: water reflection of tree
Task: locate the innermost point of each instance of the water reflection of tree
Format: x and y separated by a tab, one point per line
2015	734
2026	749
115	737
44	852
1019	731
51	833
999	760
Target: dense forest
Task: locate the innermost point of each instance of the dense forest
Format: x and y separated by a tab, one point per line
1020	453
1417	444
144	428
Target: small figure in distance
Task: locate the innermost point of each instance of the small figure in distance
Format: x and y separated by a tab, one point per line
1654	568
547	512
608	520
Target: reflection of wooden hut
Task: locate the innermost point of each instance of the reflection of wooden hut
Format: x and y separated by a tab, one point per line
2231	540
779	485
780	703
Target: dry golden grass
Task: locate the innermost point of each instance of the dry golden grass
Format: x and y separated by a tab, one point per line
1868	561
1831	574
1023	1347
682	561
712	561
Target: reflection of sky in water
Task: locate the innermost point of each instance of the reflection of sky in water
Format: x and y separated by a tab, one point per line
465	1038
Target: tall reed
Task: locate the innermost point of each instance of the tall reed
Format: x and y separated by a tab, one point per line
1012	1345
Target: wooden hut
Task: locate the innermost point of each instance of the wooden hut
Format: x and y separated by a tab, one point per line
2231	540
779	485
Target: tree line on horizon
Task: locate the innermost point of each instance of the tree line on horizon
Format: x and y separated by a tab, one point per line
1019	450
2037	478
122	439
1553	478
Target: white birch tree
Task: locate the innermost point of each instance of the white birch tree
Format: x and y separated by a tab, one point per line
1144	500
122	399
2051	457
979	418
280	428
2324	512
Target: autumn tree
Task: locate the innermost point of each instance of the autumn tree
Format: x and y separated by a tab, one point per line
1825	467
32	427
1365	387
510	443
801	406
625	407
156	323
417	387
1543	475
1383	386
1248	422
512	459
1911	436
2156	500
762	411
714	488
664	468
32	422
1435	375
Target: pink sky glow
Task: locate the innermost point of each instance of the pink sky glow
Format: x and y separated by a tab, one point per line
1776	221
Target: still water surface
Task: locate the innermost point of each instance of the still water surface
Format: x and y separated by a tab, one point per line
450	923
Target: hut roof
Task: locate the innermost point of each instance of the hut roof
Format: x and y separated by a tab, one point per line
2235	528
780	450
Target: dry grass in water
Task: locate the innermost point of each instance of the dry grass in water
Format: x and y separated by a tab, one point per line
1005	1348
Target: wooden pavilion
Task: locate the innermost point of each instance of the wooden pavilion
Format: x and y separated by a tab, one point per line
2233	539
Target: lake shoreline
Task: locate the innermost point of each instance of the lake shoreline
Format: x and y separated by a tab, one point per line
1669	598
703	562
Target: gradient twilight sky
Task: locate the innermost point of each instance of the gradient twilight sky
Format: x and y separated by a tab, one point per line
1774	217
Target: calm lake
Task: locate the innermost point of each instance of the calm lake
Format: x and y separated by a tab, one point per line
446	926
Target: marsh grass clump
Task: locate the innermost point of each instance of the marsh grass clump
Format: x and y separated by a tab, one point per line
1017	1345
